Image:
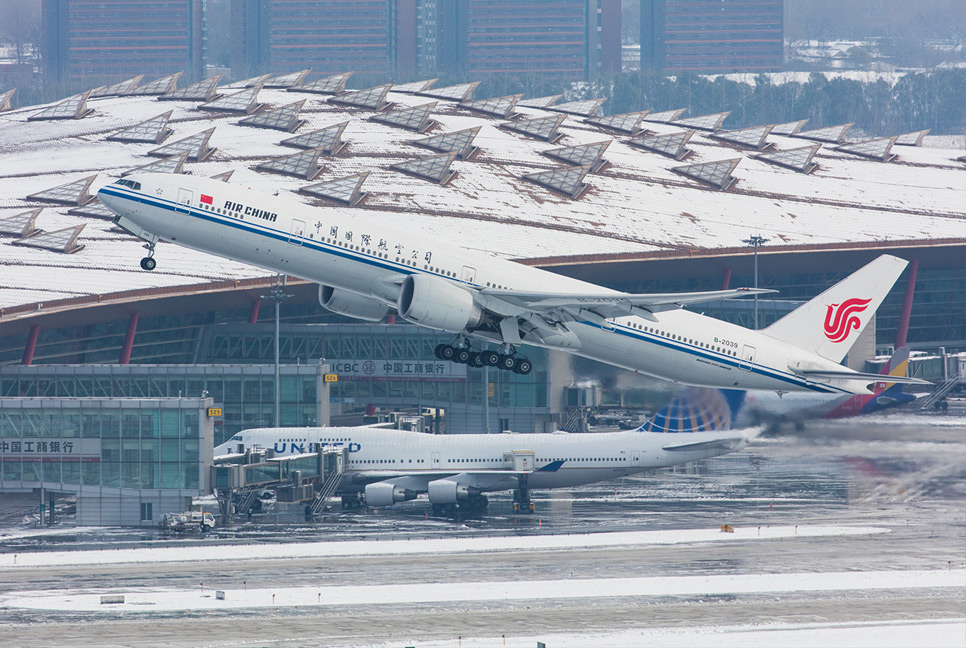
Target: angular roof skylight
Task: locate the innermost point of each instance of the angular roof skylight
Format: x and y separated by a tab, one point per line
789	128
797	159
416	118
93	209
906	139
6	99
334	85
589	155
254	81
459	142
717	174
710	122
585	108
71	108
540	102
62	240
545	128
753	137
118	89
304	164
875	149
245	101
205	90
498	106
290	80
161	86
224	177
153	131
567	181
373	98
435	167
461	92
71	193
671	145
624	122
195	145
665	116
285	118
414	86
346	190
21	225
329	139
833	134
173	164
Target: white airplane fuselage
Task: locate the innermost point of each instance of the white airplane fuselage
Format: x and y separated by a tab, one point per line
343	249
377	454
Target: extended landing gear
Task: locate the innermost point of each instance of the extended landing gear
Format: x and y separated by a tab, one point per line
506	361
148	262
521	497
351	502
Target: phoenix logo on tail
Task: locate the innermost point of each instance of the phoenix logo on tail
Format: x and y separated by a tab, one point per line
842	318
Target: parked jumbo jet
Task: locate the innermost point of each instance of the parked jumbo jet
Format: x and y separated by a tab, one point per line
364	269
456	470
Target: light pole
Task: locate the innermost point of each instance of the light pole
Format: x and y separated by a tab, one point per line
276	294
755	241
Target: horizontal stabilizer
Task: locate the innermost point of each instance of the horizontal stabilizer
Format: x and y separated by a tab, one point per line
731	443
859	375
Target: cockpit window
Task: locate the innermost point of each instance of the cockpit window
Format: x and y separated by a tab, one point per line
129	183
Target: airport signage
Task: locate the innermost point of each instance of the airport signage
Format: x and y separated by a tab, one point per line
35	449
214	411
331	377
435	370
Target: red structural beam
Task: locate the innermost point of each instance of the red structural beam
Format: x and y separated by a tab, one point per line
253	311
132	326
726	279
903	330
28	350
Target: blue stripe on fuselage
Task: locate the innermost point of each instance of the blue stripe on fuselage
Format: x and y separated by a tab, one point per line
622	329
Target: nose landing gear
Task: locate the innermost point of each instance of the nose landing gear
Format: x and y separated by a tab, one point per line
148	262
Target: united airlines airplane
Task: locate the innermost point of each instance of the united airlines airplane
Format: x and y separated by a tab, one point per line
456	470
364	269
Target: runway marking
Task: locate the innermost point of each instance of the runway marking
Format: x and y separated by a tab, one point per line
167	600
414	544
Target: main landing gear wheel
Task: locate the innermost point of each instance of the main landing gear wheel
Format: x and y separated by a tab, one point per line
507	363
461	356
522	366
148	263
491	358
475	360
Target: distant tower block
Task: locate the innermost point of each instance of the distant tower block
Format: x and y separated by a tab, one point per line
373	98
459	142
566	181
195	145
545	128
461	92
435	168
329	139
332	85
586	108
71	193
415	119
303	165
673	145
153	131
344	190
629	123
589	155
245	101
710	122
285	118
666	116
796	159
496	106
717	174
831	134
161	86
205	90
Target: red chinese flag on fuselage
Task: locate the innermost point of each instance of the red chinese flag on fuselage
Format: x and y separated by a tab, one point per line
206	199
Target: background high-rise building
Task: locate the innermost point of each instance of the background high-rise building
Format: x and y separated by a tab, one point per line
712	35
104	40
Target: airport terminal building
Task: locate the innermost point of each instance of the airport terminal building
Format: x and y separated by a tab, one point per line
644	202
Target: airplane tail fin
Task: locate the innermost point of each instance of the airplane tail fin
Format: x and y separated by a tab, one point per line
697	409
898	365
829	324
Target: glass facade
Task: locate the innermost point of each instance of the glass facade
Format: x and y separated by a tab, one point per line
100	448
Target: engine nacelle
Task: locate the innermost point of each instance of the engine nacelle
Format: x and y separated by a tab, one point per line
387	494
447	491
438	304
352	304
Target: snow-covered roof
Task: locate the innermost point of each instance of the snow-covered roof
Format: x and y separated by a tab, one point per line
492	200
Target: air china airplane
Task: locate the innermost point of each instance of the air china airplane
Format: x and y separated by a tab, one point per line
364	269
456	470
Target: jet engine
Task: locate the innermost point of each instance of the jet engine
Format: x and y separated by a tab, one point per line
387	494
447	491
438	304
352	304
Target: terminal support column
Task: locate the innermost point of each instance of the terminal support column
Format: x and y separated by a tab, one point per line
903	330
28	350
132	325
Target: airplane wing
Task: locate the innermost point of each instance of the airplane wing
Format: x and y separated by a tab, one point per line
730	443
485	480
